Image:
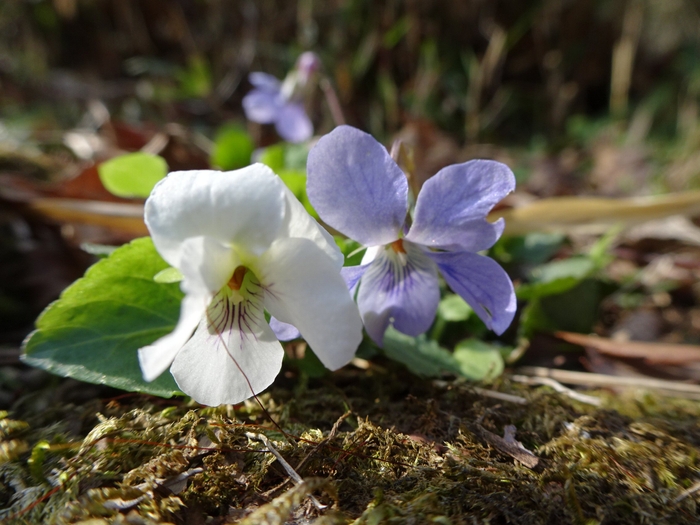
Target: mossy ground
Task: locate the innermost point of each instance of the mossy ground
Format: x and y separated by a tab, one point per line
376	446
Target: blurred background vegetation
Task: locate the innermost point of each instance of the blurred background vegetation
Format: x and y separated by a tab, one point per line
579	97
595	96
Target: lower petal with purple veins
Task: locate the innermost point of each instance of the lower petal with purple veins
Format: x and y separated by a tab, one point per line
400	287
232	355
482	283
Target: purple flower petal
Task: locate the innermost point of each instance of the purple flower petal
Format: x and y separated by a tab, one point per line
356	187
264	81
261	106
293	124
399	289
452	206
307	64
284	331
352	275
482	283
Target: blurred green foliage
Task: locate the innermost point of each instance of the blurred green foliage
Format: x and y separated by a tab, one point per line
504	69
233	147
133	174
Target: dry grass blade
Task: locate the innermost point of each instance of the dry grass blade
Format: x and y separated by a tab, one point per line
125	217
570	213
557	386
651	353
287	467
570	377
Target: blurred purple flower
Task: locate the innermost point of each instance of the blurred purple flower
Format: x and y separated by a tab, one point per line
358	189
282	103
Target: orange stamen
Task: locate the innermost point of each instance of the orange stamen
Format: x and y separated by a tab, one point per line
236	280
398	246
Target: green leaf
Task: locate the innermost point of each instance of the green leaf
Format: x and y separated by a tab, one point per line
36	460
232	148
169	275
296	181
396	32
533	319
295	156
576	267
533	248
133	174
421	356
288	161
285	156
556	277
534	290
352	250
310	364
454	308
478	360
273	156
195	81
98	250
575	310
599	252
92	332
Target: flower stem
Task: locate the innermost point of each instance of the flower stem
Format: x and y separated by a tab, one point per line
438	329
332	101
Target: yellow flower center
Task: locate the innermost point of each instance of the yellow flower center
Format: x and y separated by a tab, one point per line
398	246
236	280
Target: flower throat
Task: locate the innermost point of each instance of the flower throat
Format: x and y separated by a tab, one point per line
236	280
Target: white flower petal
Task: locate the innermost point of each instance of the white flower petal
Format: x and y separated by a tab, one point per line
206	265
243	207
371	254
232	355
298	223
303	287
156	358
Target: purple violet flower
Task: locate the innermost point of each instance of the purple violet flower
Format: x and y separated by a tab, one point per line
282	103
358	189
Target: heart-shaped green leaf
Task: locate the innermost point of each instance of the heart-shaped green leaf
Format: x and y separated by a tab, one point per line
478	360
421	356
93	331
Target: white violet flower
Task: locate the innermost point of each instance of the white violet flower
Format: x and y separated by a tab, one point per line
244	244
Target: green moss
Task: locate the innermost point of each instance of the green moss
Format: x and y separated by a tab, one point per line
408	451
